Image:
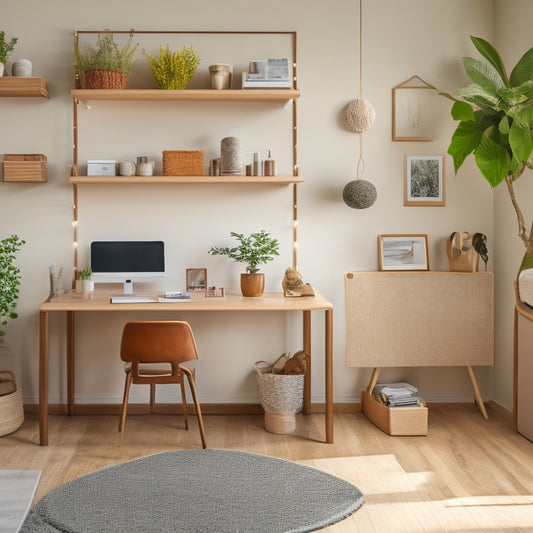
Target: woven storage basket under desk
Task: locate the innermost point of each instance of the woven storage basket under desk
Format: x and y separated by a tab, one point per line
183	162
11	408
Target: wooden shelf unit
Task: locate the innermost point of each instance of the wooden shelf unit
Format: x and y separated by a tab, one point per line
15	86
273	96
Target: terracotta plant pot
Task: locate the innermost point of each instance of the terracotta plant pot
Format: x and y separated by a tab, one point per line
252	284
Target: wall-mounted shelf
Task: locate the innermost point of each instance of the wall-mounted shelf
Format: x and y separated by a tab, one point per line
15	86
276	180
253	95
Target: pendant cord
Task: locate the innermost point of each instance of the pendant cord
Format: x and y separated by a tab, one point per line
361	162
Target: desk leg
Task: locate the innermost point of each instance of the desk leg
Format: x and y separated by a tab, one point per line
329	373
43	378
477	394
70	362
307	350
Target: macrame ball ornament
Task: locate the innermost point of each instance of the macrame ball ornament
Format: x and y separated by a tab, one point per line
359	194
359	115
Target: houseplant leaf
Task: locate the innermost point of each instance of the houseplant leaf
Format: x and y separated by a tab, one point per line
475	94
521	141
483	74
492	56
492	160
462	111
465	140
523	70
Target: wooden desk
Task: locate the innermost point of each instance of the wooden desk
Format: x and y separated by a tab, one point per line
98	301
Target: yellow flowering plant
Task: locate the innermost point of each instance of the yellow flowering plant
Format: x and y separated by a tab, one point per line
173	70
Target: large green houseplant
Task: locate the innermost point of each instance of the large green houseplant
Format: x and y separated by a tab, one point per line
106	65
495	118
253	250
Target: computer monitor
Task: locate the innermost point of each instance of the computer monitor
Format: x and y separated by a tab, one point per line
127	261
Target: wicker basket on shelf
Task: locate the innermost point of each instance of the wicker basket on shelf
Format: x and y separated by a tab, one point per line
11	408
183	162
105	79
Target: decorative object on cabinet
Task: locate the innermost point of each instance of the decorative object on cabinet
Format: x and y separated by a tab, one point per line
425	181
86	282
413	108
146	168
30	168
54	275
214	292
293	285
101	167
231	158
403	252
254	250
6	47
196	279
22	68
272	74
174	70
107	65
464	251
183	162
359	116
127	168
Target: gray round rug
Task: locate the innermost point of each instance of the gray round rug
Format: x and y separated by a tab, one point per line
197	491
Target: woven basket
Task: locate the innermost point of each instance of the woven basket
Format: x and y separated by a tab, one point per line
105	79
183	162
11	408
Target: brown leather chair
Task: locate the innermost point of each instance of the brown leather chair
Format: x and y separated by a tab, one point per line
169	342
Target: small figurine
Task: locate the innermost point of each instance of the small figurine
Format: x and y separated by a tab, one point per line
293	284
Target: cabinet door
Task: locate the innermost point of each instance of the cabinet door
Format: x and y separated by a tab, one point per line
524	405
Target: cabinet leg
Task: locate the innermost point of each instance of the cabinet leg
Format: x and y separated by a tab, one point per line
477	394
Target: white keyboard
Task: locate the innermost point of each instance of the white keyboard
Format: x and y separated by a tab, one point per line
131	299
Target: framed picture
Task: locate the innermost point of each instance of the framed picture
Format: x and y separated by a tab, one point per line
196	279
403	252
424	180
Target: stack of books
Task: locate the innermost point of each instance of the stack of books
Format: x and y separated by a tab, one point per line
397	394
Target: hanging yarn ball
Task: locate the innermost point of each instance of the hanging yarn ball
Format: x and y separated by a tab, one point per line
359	115
359	194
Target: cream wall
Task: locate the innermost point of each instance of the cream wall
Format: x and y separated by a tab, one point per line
400	39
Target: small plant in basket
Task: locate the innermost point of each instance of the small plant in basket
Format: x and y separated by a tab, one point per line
173	70
107	57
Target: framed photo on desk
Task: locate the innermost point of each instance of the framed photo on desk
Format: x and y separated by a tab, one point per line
196	279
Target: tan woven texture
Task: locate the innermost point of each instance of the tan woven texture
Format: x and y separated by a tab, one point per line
11	409
183	162
105	79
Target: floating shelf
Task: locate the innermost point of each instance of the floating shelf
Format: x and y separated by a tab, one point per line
15	86
279	180
254	95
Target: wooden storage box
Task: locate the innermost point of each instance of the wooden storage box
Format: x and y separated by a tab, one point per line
183	163
395	420
25	168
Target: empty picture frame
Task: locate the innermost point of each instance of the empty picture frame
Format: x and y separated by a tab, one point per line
403	252
425	183
196	279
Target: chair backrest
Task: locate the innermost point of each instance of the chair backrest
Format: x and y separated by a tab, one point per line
157	342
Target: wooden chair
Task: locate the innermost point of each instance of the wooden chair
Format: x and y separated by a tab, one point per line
169	342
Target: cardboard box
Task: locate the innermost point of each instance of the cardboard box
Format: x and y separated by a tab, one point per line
395	420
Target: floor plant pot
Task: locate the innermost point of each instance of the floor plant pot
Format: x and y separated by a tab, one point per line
11	408
252	284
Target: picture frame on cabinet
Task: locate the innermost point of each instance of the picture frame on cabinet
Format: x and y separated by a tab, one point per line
425	181
403	251
196	279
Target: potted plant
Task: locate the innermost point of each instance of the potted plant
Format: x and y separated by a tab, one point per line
173	70
6	47
86	282
11	408
254	250
496	124
107	65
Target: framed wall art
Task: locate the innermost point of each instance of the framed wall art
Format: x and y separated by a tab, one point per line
403	252
425	183
196	279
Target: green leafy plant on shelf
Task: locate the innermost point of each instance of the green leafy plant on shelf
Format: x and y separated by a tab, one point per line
174	70
106	55
6	47
10	279
254	250
496	120
86	273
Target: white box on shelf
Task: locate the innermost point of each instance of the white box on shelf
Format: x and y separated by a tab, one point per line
101	167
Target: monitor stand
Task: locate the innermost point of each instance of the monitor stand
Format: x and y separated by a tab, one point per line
128	286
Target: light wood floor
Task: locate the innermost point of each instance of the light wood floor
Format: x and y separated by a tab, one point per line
467	475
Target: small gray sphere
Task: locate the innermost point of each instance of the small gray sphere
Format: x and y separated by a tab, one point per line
359	194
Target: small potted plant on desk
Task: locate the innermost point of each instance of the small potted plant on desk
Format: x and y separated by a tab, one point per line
255	250
11	408
87	284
